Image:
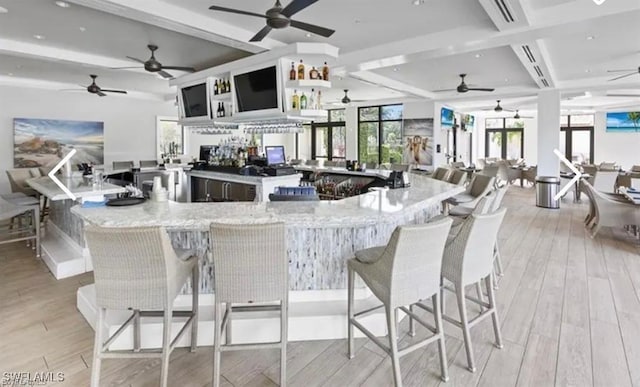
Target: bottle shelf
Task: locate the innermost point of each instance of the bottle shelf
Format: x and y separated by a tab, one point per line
308	83
224	97
307	113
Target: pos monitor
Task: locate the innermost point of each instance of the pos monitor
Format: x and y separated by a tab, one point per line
275	155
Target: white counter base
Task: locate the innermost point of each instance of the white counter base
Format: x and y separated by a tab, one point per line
62	255
313	315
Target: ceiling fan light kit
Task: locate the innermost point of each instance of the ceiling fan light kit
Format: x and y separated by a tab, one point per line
278	17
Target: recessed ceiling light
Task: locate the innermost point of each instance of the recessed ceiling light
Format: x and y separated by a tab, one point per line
82	29
308	35
587	71
39	37
395	69
10	74
506	79
478	55
417	2
63	4
591	37
3	10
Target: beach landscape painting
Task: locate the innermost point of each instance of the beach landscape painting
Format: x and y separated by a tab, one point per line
623	122
43	142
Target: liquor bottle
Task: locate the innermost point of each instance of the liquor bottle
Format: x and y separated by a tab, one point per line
222	112
218	111
319	100
312	100
224	86
301	70
325	72
296	101
292	72
216	87
313	73
303	101
228	86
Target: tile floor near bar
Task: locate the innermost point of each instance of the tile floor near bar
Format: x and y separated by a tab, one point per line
569	304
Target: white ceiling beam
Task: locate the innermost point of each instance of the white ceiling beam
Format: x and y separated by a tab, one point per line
179	19
505	14
388	83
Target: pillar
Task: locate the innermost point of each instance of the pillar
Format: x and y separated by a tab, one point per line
548	132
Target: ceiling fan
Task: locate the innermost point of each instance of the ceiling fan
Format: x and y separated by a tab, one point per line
498	108
517	116
629	73
153	66
278	18
93	88
345	100
463	87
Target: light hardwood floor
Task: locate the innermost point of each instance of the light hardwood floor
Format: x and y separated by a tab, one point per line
569	308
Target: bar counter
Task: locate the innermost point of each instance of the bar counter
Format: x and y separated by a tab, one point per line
321	236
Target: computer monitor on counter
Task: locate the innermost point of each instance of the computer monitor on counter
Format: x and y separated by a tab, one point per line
275	155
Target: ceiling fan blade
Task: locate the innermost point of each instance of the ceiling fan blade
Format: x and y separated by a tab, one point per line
622	71
101	94
85	89
296	6
165	74
113	91
123	68
624	95
136	59
261	34
187	69
326	32
480	89
241	12
623	76
442	90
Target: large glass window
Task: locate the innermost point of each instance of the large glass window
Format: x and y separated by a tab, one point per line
504	138
380	134
329	139
576	137
170	138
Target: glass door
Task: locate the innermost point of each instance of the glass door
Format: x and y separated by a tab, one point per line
328	141
504	143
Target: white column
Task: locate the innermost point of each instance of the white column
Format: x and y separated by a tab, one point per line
548	132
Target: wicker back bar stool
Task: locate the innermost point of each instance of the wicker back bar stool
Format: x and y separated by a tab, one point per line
137	269
251	272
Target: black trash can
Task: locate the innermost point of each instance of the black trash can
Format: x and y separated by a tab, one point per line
547	188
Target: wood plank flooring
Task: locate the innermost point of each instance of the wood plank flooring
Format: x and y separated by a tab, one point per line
569	308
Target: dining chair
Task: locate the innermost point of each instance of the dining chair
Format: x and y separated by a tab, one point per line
405	272
251	272
137	270
608	211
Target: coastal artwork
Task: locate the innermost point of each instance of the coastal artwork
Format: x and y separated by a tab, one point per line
446	118
625	122
43	143
417	140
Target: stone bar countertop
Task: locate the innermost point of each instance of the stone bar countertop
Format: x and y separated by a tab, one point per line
80	186
367	209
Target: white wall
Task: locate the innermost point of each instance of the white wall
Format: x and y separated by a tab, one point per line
129	124
623	148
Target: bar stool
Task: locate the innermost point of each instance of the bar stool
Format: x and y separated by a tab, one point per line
137	269
250	267
404	272
468	259
9	211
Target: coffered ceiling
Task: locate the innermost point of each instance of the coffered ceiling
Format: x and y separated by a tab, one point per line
389	49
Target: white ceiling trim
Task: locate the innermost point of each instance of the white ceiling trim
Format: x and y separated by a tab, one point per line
58	86
15	47
178	19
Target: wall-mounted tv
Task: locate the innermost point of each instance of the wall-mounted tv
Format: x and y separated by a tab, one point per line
446	118
468	122
257	90
194	101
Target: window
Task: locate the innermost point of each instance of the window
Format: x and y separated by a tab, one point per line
380	134
576	138
504	138
329	139
170	138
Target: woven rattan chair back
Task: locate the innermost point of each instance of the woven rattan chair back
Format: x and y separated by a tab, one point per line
132	267
250	262
469	258
457	177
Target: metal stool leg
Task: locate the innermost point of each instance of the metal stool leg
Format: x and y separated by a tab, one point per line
462	309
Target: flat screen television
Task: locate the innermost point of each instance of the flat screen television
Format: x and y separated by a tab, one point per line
194	101
275	155
446	118
257	90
